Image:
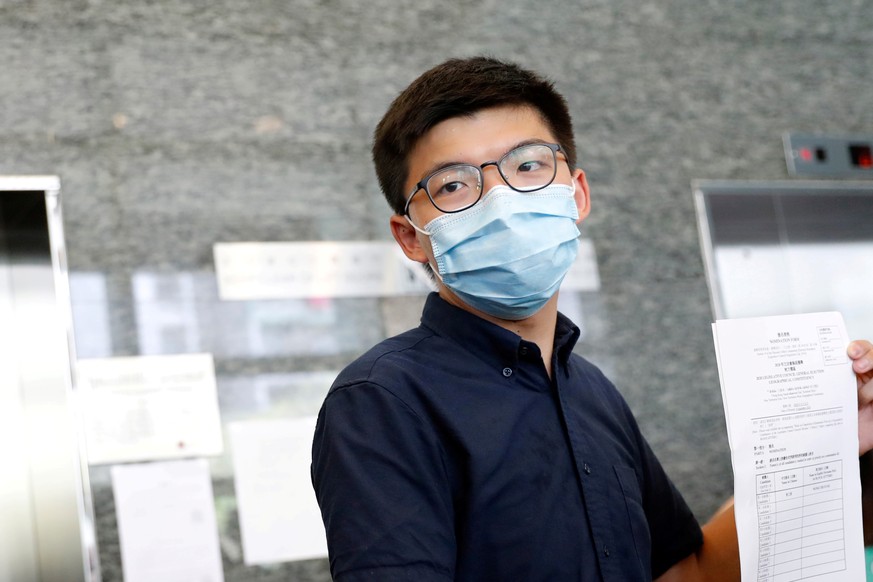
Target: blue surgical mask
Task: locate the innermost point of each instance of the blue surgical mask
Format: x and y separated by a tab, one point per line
507	255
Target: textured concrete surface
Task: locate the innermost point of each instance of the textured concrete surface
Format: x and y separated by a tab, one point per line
175	124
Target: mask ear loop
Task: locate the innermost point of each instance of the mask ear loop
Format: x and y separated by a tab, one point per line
433	269
412	224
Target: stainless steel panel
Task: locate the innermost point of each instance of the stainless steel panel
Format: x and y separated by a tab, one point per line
17	541
52	524
774	248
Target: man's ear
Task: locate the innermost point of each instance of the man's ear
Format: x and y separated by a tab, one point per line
582	195
407	238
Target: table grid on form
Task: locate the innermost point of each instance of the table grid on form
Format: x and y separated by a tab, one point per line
800	518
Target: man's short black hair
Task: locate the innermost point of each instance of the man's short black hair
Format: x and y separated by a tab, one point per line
456	88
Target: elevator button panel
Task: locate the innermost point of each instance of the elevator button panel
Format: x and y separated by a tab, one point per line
827	155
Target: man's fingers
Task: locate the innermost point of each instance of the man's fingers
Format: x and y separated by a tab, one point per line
861	352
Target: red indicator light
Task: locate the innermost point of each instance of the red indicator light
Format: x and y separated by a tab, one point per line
805	154
861	155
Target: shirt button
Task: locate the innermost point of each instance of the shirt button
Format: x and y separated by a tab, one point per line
523	351
605	551
586	468
507	372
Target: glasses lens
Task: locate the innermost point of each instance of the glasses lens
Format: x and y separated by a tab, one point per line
455	187
529	167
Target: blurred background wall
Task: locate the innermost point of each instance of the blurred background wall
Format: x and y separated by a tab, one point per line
174	125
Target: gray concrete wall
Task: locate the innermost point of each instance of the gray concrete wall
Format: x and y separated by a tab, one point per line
175	124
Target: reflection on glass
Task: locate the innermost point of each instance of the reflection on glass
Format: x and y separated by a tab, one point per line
268	396
181	313
291	395
294	327
90	315
166	313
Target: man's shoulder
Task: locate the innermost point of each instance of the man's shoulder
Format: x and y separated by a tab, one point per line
582	365
387	359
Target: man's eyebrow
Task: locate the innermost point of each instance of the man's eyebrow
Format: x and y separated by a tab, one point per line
448	163
442	166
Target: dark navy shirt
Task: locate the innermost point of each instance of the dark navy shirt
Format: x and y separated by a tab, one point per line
447	453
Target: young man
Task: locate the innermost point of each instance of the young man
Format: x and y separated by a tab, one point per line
478	446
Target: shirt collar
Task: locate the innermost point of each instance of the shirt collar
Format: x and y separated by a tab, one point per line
566	335
487	340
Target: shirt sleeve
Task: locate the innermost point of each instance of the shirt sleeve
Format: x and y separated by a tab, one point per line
380	480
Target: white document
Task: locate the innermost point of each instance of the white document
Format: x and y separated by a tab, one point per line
166	522
149	407
791	406
278	514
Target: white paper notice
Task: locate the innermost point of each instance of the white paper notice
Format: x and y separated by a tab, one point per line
297	270
792	415
166	522
149	407
278	514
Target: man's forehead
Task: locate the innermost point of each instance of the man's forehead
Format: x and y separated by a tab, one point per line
481	136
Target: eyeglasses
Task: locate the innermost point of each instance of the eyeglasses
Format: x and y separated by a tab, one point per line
527	168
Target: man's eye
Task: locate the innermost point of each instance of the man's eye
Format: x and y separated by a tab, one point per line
450	188
453	187
531	166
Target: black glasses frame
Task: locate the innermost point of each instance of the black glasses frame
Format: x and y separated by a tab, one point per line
422	184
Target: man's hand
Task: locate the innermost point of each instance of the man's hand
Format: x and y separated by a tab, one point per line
861	352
